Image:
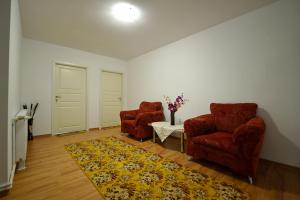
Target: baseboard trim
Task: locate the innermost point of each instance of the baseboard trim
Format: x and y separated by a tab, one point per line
282	165
94	129
110	127
42	135
8	186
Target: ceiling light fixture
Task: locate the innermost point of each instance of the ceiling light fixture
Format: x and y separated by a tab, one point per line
126	12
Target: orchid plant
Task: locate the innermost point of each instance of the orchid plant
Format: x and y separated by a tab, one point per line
174	106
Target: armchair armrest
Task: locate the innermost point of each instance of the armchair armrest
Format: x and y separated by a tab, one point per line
148	117
249	137
200	125
129	114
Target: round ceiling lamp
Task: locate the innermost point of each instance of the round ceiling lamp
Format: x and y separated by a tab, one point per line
126	12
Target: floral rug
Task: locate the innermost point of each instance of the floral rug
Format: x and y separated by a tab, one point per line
123	171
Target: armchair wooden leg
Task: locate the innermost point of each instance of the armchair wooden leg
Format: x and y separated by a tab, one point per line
250	180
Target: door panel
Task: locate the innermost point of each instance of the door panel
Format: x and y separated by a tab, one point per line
111	98
69	112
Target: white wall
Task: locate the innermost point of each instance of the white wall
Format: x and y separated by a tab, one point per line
4	69
15	43
253	58
10	67
38	59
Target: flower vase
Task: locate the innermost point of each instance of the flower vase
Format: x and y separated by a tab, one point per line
172	118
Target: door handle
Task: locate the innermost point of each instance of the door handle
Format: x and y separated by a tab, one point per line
57	97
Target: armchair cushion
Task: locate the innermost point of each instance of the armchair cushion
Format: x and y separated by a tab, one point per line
219	140
129	123
199	125
249	131
249	136
149	117
129	114
150	106
229	116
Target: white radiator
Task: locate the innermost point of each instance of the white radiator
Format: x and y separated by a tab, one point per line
20	139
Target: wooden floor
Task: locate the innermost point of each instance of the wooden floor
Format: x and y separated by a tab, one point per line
52	174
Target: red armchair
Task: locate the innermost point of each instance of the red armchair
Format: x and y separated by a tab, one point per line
232	135
135	122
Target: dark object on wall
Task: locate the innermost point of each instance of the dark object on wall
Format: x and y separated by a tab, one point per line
136	122
32	112
34	109
30	125
232	135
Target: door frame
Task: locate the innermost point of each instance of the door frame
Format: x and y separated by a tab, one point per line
101	93
53	93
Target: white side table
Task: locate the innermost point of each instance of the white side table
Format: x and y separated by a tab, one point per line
164	130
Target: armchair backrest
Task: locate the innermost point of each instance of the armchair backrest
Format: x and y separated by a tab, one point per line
150	106
229	116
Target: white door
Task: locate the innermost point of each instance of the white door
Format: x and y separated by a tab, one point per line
111	98
69	110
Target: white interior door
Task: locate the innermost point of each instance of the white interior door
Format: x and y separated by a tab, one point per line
111	98
69	110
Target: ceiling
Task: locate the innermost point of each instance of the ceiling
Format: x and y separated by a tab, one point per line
89	26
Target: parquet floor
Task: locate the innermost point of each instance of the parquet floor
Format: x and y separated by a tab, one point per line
52	174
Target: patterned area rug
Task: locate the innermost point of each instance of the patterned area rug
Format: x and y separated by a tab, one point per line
123	171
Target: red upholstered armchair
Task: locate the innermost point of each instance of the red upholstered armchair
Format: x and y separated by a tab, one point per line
135	122
232	135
